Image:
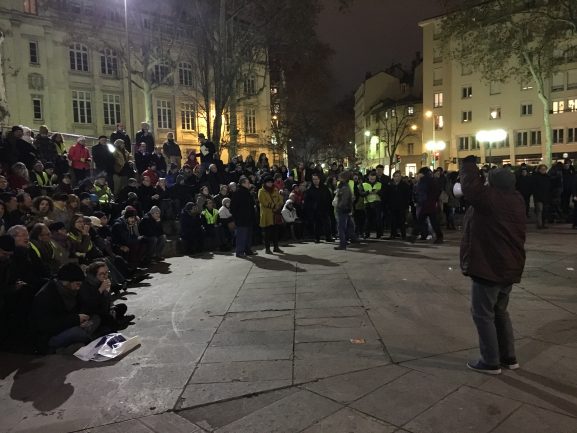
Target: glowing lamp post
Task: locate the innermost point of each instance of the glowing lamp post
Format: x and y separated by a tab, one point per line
367	135
490	137
434	147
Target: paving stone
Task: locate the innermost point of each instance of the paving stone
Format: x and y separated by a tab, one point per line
247	353
330	313
404	398
251	371
466	410
214	416
263	305
350	421
169	423
319	302
132	426
529	419
289	415
334	322
254	338
349	387
257	321
201	394
327	333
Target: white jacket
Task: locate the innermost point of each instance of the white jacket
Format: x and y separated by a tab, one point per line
289	215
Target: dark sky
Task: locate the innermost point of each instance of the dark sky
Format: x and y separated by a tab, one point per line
372	35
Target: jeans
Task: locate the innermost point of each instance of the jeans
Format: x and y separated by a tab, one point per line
398	222
156	245
541	212
344	220
421	227
489	309
243	240
77	334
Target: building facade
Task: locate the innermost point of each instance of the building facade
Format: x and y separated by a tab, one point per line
55	76
389	121
463	104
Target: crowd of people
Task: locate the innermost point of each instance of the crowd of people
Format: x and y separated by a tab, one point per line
80	224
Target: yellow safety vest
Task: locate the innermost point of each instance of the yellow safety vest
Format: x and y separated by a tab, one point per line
211	218
103	193
371	197
42	178
37	251
76	239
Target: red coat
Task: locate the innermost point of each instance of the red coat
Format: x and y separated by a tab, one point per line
76	154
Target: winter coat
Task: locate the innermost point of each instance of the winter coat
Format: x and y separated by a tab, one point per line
525	185
270	203
47	148
76	153
242	206
121	135
146	138
317	201
289	215
103	158
398	196
427	195
190	226
345	199
541	188
149	227
492	248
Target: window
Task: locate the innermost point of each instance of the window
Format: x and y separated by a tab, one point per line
78	57
250	121
494	113
535	138
572	105
572	79
164	114
81	106
185	74
466	92
474	143
438	101
571	135
522	138
410	110
558	136
466	116
558	107
161	72
411	148
108	62
33	51
111	105
526	109
558	82
437	77
439	122
188	117
464	143
37	108
437	55
495	88
393	112
527	86
31	7
250	85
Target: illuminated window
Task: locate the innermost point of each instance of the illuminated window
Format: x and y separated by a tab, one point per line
250	121
164	114
466	92
558	107
410	110
466	116
78	57
188	117
439	122
572	104
438	100
31	7
494	113
527	86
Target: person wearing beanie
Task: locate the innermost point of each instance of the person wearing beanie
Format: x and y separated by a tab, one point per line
120	134
493	256
127	241
79	157
150	226
57	321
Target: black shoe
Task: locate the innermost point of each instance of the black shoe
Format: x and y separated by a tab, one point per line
510	364
268	251
241	256
278	250
481	367
340	248
317	241
438	241
251	253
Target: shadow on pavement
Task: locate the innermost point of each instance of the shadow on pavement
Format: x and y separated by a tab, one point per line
304	259
272	265
394	249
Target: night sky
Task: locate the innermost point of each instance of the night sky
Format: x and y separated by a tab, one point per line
372	35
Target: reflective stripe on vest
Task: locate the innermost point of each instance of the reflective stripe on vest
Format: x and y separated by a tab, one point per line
210	217
79	240
42	178
105	197
37	251
371	198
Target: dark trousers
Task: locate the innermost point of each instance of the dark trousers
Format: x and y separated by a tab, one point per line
375	219
270	235
80	175
360	217
421	227
243	240
489	309
321	226
398	222
344	222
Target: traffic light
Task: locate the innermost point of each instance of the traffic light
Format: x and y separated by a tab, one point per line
436	156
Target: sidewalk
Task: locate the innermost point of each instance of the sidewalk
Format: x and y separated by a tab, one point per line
370	340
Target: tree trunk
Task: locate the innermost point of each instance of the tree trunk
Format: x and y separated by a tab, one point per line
233	124
147	91
548	131
4	113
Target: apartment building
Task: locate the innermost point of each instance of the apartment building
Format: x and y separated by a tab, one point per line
54	76
389	120
463	104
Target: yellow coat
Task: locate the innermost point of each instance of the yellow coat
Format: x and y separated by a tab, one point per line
269	202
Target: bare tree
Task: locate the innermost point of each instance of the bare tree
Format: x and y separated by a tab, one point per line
4	112
396	124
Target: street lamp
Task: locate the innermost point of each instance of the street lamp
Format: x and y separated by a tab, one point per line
434	147
492	136
367	135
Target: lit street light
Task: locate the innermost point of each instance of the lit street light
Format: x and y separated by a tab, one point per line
434	147
490	137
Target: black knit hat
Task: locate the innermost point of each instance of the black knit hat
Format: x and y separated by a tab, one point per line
7	243
58	225
70	272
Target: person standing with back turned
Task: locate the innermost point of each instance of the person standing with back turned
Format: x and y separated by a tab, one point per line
493	256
